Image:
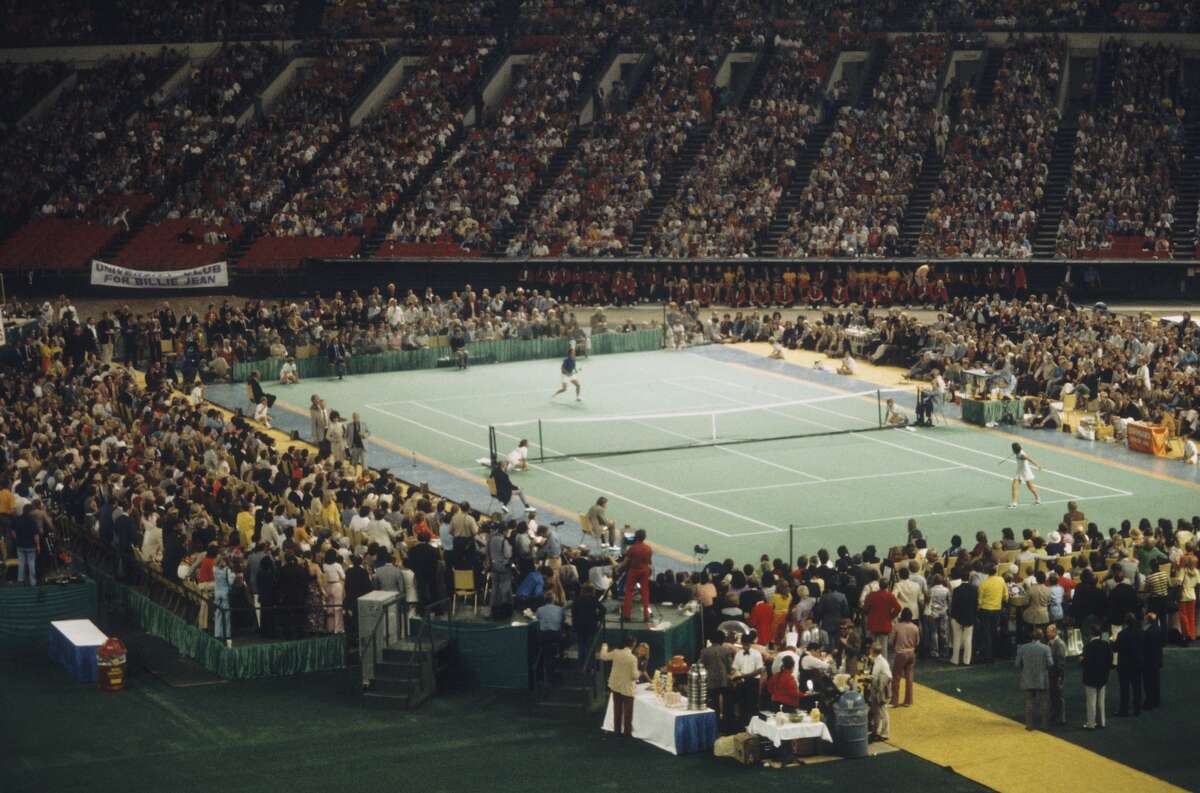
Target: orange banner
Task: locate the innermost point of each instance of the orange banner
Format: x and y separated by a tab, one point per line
1146	438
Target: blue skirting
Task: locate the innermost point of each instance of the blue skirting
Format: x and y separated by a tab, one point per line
695	733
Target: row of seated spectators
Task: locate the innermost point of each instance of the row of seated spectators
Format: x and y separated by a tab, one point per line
993	180
248	179
1128	158
383	157
204	20
474	195
85	127
1178	16
730	195
231	77
593	205
858	190
411	21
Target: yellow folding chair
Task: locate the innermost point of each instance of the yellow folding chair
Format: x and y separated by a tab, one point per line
464	587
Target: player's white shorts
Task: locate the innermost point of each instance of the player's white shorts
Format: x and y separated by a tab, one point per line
569	378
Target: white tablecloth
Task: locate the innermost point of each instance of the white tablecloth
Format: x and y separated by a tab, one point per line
81	633
791	731
653	722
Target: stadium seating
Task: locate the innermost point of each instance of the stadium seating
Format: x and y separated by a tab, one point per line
55	244
177	244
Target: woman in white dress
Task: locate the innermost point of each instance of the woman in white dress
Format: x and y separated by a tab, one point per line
1025	465
335	588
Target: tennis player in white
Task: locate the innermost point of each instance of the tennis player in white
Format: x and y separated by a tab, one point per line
1025	465
518	458
570	374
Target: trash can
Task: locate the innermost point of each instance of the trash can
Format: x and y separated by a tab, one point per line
110	665
850	725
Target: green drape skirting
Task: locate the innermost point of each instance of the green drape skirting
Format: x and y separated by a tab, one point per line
273	659
489	655
503	351
26	612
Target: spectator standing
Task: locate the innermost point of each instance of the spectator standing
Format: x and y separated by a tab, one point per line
1096	663
905	639
1131	654
964	607
1152	662
993	594
620	683
28	541
1058	674
1034	661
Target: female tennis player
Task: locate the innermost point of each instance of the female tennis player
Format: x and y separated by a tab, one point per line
570	374
1025	465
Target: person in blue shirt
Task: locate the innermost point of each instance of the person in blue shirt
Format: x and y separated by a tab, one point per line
550	628
531	588
570	375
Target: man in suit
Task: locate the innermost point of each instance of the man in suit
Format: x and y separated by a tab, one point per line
505	489
830	610
257	394
1035	661
964	606
1058	674
356	441
620	682
1152	661
1097	664
717	660
1131	653
423	561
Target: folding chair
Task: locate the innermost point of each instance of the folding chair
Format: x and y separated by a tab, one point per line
464	587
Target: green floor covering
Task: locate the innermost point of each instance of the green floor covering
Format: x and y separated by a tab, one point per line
1160	742
312	733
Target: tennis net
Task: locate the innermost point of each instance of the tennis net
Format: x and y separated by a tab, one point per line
604	436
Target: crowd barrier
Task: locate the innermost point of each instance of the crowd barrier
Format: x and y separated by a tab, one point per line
502	351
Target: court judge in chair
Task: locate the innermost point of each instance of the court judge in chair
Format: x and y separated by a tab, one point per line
598	524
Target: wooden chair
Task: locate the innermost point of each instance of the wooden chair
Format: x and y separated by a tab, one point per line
491	486
1078	525
464	587
9	557
1069	401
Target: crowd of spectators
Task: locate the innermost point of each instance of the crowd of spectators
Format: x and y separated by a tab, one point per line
382	158
248	180
81	131
230	78
730	194
50	22
413	23
1128	156
993	180
475	194
1060	16
592	207
859	188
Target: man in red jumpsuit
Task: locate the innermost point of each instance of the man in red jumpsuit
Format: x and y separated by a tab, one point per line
637	563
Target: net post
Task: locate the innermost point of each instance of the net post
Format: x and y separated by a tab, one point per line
492	451
791	542
879	404
712	417
541	446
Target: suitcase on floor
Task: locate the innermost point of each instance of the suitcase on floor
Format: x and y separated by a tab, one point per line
746	748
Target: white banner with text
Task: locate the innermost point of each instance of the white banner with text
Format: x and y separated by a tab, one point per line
211	275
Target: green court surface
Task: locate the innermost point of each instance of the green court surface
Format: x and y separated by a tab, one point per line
739	498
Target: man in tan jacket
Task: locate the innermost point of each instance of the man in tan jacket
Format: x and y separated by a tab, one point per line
620	682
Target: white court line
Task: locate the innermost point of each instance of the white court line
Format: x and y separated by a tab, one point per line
610	471
888	475
944	442
572	480
906	516
723	448
870	437
474	395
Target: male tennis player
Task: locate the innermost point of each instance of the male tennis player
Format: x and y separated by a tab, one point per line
570	374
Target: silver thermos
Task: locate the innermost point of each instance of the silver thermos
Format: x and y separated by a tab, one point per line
697	687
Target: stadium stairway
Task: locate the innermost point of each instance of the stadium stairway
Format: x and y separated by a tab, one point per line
648	219
558	164
407	674
986	85
1057	182
870	78
919	200
768	242
1184	231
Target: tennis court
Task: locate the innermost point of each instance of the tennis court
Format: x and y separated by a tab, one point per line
741	495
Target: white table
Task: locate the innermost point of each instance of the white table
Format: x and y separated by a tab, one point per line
778	733
859	337
655	723
73	643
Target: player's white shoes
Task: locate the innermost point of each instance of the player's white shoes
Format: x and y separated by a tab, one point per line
1012	505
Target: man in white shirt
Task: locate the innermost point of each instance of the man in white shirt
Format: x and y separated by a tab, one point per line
377	530
288	373
357	527
747	671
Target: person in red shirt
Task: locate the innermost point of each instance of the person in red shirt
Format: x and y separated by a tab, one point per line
638	564
881	607
760	619
784	690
